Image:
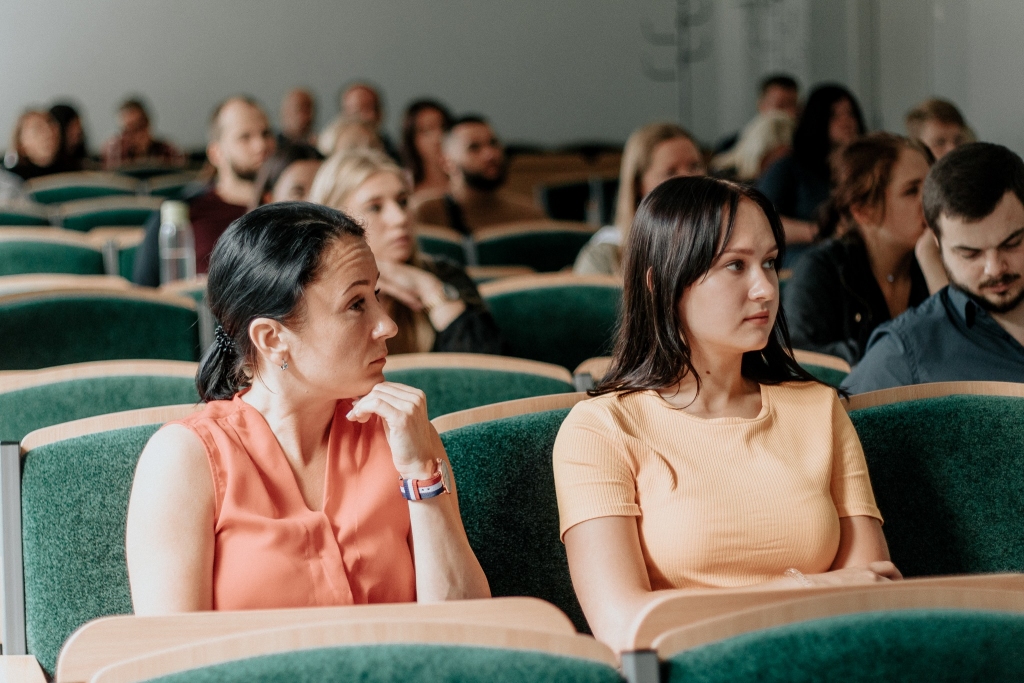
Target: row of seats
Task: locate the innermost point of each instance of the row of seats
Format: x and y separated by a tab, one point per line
84	214
951	498
545	245
59	188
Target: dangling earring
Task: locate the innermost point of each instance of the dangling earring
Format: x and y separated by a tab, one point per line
284	365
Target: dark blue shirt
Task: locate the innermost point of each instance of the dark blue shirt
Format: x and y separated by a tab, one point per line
948	338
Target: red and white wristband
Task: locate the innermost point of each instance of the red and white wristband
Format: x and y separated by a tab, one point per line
422	489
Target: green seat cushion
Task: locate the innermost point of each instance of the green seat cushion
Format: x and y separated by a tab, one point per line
126	262
948	476
562	325
117	216
437	247
74	503
914	646
506	488
70	193
41	333
10	216
545	252
25	410
402	662
20	257
829	376
451	389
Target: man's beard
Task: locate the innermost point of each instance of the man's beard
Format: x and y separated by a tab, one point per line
483	183
1004	306
248	175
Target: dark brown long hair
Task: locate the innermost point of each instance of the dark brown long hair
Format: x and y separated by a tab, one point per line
410	155
679	231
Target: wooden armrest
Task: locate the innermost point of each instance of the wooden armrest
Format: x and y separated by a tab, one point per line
20	669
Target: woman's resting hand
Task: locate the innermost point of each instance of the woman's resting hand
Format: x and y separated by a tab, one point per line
415	445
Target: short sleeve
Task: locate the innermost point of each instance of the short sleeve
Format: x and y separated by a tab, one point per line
851	485
593	475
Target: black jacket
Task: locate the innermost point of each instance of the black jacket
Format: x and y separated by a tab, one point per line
475	330
833	302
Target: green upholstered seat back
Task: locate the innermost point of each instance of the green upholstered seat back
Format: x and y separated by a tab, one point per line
545	252
387	663
564	325
913	646
948	475
25	410
70	193
451	389
40	333
114	216
126	262
829	376
19	257
74	503
11	216
507	497
441	247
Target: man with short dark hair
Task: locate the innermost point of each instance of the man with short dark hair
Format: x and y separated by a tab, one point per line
974	328
135	142
239	141
778	92
475	163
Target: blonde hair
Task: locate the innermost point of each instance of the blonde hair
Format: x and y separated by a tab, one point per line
765	133
636	160
343	135
341	175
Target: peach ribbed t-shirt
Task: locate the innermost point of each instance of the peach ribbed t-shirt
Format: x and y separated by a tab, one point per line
722	502
271	549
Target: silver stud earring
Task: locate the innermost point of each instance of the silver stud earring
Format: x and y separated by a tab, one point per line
284	365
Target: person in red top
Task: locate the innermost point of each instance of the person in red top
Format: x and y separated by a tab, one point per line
306	479
240	140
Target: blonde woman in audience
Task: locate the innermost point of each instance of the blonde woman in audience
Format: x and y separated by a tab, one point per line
654	153
708	458
435	304
281	491
765	140
348	134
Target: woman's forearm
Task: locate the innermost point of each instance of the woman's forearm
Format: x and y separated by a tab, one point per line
446	568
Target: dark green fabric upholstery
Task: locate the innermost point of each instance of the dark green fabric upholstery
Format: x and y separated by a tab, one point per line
70	193
452	389
829	376
25	410
126	262
507	497
545	252
438	247
20	257
40	333
74	505
915	646
11	216
402	663
948	475
563	325
121	216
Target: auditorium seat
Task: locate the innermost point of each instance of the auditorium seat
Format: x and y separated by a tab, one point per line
947	469
359	632
459	381
46	250
436	240
172	185
68	187
33	399
45	282
44	329
828	369
24	214
86	214
556	318
545	246
119	243
64	525
482	274
513	529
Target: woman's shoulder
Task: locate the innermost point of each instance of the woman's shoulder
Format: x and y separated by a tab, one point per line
801	398
610	411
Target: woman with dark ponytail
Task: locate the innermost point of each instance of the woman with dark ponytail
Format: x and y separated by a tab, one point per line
845	287
287	489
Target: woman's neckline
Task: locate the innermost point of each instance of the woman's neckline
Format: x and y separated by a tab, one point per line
761	415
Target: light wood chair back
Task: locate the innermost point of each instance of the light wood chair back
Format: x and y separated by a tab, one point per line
106	641
596	367
673	610
123	236
50	235
898	596
488	273
821	359
21	669
183	287
134	293
546	280
46	282
917	392
14	380
496	411
84	206
478	361
103	179
103	423
439	232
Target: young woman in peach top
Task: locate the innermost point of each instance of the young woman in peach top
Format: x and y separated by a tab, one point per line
707	458
290	487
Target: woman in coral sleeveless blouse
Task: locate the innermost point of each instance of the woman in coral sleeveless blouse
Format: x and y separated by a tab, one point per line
306	480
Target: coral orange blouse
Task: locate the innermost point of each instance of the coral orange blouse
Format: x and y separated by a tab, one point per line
271	549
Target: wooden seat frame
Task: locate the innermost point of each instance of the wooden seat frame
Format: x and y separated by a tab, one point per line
477	361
